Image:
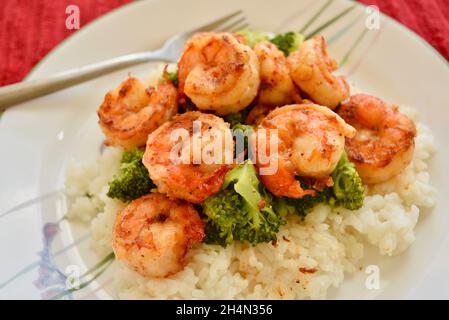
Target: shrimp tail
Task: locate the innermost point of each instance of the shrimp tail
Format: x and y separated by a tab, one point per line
283	182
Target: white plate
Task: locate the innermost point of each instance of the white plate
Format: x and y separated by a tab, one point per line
38	138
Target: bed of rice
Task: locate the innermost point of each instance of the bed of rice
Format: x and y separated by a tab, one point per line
309	257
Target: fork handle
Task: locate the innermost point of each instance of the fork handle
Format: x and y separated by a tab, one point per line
23	91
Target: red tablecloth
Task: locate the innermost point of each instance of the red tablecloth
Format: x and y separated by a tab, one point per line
29	29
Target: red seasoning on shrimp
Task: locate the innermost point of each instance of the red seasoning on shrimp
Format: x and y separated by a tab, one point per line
153	234
311	140
183	177
218	73
311	69
385	139
132	111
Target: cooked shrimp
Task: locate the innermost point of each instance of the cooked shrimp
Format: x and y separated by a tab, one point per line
311	69
260	111
218	73
384	143
129	113
176	156
276	86
153	234
311	140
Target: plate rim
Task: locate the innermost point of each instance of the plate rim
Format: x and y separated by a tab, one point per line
133	3
129	6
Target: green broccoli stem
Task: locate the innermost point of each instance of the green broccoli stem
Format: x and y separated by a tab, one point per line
241	211
133	180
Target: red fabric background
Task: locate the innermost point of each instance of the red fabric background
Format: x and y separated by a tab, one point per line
29	29
428	18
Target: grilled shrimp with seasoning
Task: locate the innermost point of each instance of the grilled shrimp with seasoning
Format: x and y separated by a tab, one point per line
218	73
276	86
132	111
385	139
153	234
170	158
311	140
311	69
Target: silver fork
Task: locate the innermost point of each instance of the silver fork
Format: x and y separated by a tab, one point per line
170	52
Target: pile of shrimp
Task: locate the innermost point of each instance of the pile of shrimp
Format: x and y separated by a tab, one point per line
315	117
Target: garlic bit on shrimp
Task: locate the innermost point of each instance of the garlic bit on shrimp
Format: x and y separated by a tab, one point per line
132	111
218	73
311	69
385	139
310	142
153	234
188	157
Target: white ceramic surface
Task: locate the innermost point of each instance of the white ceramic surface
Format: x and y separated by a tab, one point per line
38	138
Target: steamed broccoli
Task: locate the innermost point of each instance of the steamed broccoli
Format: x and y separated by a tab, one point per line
288	42
243	127
348	189
347	192
173	77
241	211
253	37
133	180
302	206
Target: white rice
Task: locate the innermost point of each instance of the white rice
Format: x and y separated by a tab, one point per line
309	257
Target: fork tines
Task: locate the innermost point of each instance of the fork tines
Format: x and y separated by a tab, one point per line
232	22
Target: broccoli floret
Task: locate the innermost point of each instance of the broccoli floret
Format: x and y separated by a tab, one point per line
288	42
347	192
214	235
132	155
133	180
253	37
173	77
241	211
348	189
302	206
243	127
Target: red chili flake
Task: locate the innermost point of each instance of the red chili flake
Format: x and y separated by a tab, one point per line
307	270
274	243
285	239
262	203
